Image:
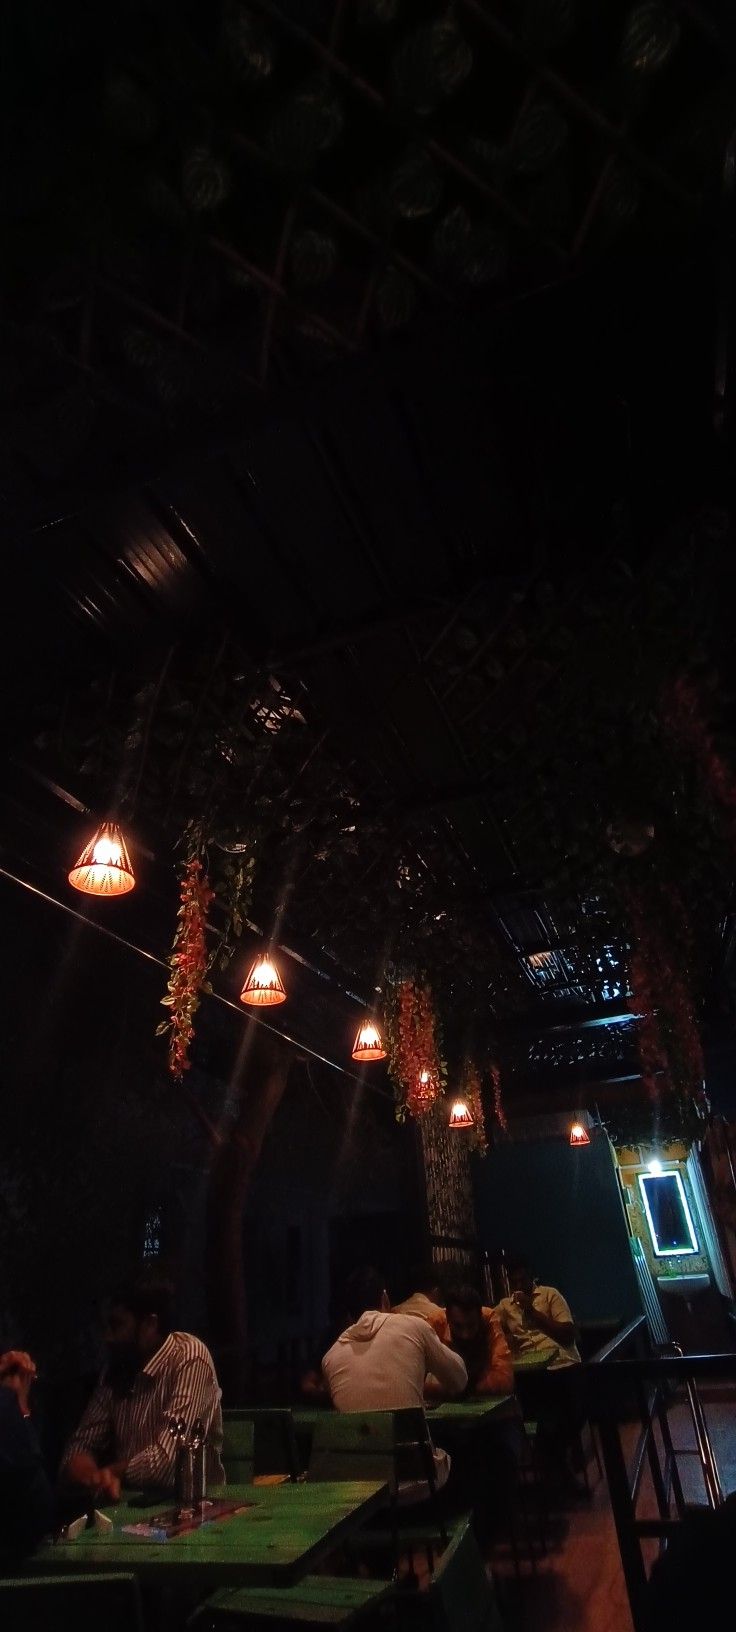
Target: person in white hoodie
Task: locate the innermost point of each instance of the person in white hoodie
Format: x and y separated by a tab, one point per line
381	1361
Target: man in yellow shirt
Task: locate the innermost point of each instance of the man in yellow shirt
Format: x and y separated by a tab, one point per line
537	1318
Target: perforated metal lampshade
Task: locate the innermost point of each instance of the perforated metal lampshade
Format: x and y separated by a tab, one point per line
461	1115
579	1135
104	866
264	986
368	1044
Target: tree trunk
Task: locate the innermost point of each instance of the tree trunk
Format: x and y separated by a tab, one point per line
262	1085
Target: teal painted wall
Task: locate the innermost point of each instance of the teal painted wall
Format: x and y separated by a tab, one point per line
562	1209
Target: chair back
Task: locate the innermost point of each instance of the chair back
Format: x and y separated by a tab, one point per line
238	1458
460	1596
275	1448
353	1445
413	1449
48	1603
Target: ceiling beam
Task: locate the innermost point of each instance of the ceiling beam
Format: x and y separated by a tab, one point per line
578	1019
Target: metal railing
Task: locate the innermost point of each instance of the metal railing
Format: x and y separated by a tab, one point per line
628	1370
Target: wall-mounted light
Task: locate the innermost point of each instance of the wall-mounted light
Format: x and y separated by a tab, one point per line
579	1135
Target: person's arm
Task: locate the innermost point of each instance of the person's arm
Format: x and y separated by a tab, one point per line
556	1323
194	1395
443	1364
498	1376
84	1457
314	1388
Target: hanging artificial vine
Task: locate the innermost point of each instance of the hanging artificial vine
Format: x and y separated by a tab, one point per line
498	1109
415	1066
470	1091
188	962
684	719
670	1052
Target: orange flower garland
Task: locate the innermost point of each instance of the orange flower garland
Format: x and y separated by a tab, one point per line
415	1067
499	1111
188	963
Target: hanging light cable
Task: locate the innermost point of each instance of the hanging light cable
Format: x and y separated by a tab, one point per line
368	1044
264	986
104	866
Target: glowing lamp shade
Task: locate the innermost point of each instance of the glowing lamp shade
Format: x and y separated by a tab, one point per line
461	1115
368	1044
104	865
579	1135
264	985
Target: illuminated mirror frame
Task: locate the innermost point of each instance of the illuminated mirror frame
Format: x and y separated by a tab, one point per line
668	1252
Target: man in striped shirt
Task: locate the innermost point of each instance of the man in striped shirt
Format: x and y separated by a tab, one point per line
153	1375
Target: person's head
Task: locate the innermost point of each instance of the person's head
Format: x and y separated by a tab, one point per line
427	1279
520	1276
464	1315
365	1289
139	1318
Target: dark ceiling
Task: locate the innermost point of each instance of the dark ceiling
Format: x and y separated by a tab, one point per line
381	340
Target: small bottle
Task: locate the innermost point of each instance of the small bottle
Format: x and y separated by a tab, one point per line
198	1444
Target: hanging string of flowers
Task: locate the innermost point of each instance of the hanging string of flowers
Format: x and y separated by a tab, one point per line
498	1107
415	1066
683	717
188	962
470	1090
670	1051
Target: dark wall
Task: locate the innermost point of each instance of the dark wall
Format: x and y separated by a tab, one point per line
96	1144
561	1208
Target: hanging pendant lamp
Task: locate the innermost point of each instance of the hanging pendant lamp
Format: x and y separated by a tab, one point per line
461	1115
368	1044
579	1135
264	986
104	865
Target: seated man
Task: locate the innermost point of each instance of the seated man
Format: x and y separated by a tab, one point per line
537	1318
26	1497
476	1335
381	1361
425	1301
152	1375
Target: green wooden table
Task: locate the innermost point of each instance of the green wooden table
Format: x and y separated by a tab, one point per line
533	1361
470	1412
279	1538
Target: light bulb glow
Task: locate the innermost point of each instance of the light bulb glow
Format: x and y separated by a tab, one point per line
655	1167
106	854
579	1135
